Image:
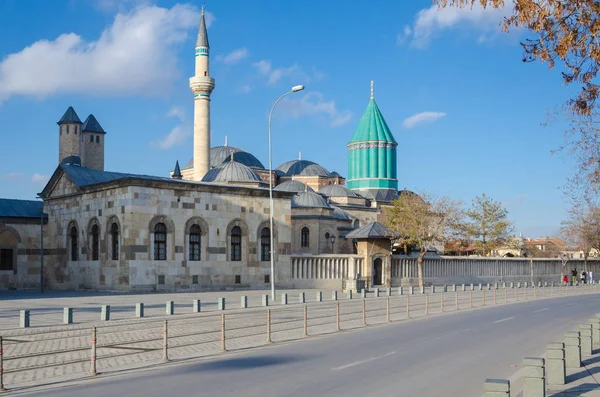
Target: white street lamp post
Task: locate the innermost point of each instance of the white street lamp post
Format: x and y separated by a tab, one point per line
295	88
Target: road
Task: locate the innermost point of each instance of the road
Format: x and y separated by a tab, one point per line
450	354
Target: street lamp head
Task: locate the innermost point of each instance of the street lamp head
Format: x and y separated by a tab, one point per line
297	88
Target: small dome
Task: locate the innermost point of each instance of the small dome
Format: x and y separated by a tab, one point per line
293	186
232	172
303	168
71	160
309	200
337	191
341	214
222	154
334	174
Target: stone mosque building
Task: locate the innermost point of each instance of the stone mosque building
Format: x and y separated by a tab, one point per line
203	226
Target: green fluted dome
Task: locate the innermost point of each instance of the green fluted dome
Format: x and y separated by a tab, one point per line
372	126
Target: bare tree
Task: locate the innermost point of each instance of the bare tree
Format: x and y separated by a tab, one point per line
424	221
582	230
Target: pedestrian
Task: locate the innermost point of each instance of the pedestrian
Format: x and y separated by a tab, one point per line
566	279
583	277
574	276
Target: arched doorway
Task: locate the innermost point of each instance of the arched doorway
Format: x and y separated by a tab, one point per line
377	271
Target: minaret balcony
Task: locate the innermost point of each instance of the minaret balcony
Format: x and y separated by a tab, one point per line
202	84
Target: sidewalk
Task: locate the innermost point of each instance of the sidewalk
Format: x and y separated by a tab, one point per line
584	381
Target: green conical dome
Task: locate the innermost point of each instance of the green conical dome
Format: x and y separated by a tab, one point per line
372	126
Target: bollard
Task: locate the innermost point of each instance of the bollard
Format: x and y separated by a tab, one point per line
585	335
284	299
489	286
526	284
387	309
221	303
539	284
139	310
422	290
305	320
400	291
426	305
572	350
302	297
512	285
105	313
453	287
223	348
265	300
411	290
463	288
535	377
595	321
334	296
196	306
480	287
445	289
546	284
519	284
319	296
24	319
363	293
170	308
165	356
68	315
244	302
349	294
376	292
92	355
388	291
269	326
496	388
407	306
1	365
337	315
555	364
495	285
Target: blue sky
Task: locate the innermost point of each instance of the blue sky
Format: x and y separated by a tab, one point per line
464	108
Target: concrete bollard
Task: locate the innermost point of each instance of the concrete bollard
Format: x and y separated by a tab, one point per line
302	297
349	294
139	310
489	287
284	299
244	302
546	284
463	288
24	318
363	293
319	296
334	296
265	300
472	288
495	285
519	284
388	292
595	321
496	388
400	291
512	285
67	315
221	303
480	287
535	377
572	350
453	287
170	308
444	289
105	313
196	306
555	364
376	292
422	290
585	335
526	284
539	284
411	290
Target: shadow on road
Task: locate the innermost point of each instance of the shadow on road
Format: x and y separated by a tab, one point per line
243	363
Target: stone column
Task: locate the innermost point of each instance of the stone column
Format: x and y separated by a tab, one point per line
555	364
585	334
535	377
496	388
595	321
572	350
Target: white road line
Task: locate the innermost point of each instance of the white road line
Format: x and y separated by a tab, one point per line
542	310
362	362
504	319
454	333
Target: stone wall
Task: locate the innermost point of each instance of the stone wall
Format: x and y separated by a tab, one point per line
22	238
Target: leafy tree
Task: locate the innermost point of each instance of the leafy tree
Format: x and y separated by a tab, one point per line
424	221
487	224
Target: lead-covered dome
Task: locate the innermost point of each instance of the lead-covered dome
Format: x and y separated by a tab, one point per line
338	191
293	186
309	200
302	168
232	171
222	154
341	214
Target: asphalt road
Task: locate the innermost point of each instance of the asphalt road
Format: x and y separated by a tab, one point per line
444	355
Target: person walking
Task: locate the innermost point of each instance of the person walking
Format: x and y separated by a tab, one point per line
583	277
574	276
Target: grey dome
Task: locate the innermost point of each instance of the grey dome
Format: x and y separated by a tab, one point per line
334	174
303	168
340	214
309	200
222	154
232	172
337	191
293	186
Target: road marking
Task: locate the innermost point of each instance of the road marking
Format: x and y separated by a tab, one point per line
454	333
542	310
503	320
362	362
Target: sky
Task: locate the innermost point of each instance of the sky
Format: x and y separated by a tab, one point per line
466	111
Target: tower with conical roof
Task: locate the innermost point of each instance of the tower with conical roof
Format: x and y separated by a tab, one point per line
69	135
372	155
202	86
92	144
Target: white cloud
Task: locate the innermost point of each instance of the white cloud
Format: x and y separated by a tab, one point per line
294	72
422	118
432	20
312	104
39	178
176	137
234	56
134	55
176	111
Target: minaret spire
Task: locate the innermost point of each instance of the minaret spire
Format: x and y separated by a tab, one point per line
372	89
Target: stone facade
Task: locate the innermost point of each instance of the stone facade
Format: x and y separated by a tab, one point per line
20	239
92	150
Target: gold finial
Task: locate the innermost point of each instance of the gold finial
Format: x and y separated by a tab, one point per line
231	151
372	89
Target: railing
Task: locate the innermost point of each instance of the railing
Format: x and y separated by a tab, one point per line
315	267
37	356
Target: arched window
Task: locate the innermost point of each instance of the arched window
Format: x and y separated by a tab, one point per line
114	241
73	237
95	242
305	234
195	243
265	244
236	243
160	242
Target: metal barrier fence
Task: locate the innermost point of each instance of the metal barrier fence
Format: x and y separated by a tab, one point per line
39	356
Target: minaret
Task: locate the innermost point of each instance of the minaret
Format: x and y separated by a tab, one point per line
69	135
202	86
